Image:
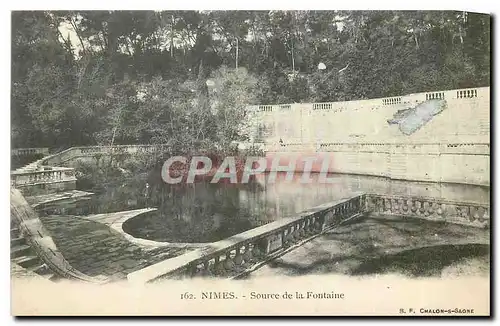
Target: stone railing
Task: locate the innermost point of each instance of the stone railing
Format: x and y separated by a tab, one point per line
433	209
45	175
465	148
391	101
85	151
423	148
241	253
434	96
29	151
370	103
244	252
467	93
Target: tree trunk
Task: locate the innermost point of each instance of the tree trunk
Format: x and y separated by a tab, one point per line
202	88
237	46
172	38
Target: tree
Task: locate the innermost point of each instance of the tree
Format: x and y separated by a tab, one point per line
88	77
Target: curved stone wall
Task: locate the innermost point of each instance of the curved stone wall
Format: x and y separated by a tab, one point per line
360	137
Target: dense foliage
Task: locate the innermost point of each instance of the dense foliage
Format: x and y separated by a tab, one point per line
113	77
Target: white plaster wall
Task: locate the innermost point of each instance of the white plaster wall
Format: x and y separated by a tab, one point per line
429	154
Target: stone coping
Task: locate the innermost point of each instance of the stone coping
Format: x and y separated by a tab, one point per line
115	221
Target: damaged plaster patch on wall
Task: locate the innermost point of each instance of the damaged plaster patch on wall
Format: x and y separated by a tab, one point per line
412	119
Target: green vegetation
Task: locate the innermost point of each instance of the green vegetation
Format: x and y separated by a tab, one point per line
125	77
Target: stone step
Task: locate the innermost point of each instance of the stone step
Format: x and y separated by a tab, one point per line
42	269
14	232
53	277
27	261
17	241
19	250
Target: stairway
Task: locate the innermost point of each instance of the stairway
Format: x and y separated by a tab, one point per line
22	254
30	166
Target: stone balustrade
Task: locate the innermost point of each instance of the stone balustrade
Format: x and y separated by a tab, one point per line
466	119
465	148
85	151
423	148
237	254
391	101
435	96
240	253
434	209
45	175
396	100
467	93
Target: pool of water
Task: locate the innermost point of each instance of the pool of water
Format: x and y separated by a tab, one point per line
205	212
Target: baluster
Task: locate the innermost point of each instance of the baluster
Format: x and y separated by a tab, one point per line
205	270
430	209
287	240
296	233
299	235
238	258
292	234
247	255
440	209
317	225
421	208
219	267
414	206
229	265
308	227
486	215
191	270
476	213
303	230
256	251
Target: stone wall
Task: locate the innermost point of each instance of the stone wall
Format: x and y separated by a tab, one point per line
466	119
452	147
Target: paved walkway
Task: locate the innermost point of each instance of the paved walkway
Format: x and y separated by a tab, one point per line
379	245
96	249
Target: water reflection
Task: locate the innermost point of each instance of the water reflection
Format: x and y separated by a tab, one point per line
205	212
